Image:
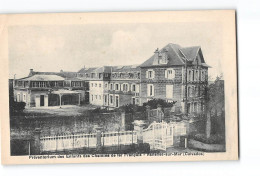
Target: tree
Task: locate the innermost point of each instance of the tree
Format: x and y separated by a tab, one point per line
214	101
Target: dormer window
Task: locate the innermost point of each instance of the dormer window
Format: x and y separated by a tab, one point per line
163	58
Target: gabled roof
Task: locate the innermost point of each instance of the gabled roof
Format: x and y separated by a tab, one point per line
190	53
43	78
176	55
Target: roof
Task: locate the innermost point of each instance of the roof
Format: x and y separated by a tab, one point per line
43	78
74	79
64	74
190	53
104	69
64	91
175	54
87	70
128	68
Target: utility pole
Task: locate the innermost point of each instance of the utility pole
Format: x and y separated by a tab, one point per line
186	87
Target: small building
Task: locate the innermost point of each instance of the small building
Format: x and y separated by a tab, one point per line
43	90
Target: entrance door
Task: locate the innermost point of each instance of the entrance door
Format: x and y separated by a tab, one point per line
42	100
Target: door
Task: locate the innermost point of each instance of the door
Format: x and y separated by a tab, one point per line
42	100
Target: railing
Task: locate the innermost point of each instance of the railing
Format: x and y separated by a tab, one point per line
68	142
119	138
80	141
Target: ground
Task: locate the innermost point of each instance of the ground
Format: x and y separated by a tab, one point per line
65	110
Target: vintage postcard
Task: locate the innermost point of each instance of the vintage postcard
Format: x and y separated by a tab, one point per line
118	87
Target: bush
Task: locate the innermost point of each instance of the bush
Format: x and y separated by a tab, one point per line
213	139
16	107
130	108
154	103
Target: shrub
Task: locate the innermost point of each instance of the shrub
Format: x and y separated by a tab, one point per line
16	107
213	139
154	103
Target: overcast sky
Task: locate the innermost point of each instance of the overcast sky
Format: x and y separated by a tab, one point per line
70	47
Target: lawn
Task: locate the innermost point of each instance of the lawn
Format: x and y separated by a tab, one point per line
65	110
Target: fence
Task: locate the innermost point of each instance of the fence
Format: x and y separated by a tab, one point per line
79	141
68	142
119	138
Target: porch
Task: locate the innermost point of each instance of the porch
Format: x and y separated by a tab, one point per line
64	97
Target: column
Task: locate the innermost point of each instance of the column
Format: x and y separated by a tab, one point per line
60	99
98	132
79	98
138	127
36	147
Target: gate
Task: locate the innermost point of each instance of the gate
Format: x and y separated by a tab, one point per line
159	135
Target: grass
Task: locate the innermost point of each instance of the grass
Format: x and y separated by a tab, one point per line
65	110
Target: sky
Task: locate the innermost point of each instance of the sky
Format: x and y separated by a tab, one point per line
71	47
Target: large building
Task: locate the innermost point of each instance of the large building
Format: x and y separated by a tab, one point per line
175	73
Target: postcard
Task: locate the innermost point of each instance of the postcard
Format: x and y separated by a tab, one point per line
118	87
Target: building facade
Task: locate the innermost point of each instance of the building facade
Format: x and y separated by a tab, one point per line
175	74
43	89
124	86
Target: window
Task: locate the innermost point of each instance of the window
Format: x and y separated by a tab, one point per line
106	85
105	99
125	87
111	99
189	92
92	85
100	97
18	97
150	74
99	85
169	73
92	97
189	75
150	90
92	75
96	97
95	84
111	86
133	87
24	97
116	86
117	101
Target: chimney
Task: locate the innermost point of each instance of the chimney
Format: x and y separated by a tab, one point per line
31	72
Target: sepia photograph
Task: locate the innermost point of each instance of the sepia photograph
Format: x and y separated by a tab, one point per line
159	86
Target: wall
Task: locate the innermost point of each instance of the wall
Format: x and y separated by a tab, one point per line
96	91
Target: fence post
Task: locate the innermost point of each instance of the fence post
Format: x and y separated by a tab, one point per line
98	136
138	127
148	108
160	113
36	148
123	121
